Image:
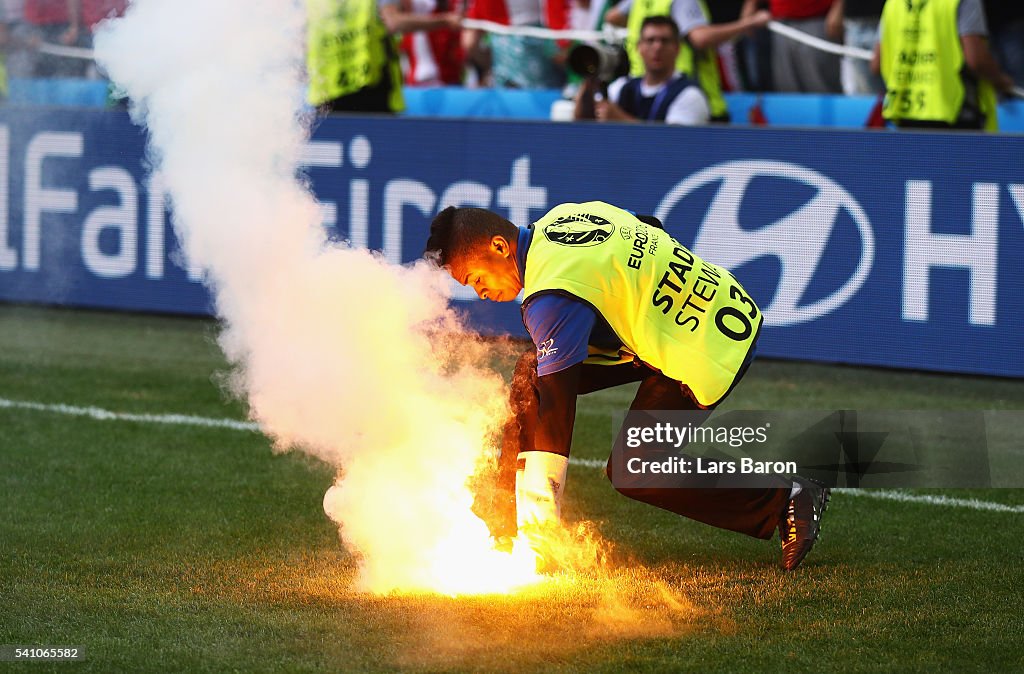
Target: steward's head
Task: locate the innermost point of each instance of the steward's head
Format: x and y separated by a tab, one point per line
478	248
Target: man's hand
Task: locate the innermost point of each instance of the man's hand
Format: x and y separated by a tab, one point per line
983	64
69	37
758	20
494	496
451	20
711	35
586	98
616	18
750	7
401	19
607	111
1004	84
834	21
540	481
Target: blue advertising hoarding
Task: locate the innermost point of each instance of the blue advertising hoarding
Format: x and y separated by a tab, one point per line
878	248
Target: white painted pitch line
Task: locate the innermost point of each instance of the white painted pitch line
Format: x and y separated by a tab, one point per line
929	499
234	424
107	415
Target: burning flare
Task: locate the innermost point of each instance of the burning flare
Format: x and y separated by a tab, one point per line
339	354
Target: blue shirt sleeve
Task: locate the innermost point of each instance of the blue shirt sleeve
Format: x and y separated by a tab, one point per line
560	328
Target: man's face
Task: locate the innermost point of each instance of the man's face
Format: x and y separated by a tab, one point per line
491	271
659	48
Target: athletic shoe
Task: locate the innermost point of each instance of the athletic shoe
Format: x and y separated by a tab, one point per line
801	522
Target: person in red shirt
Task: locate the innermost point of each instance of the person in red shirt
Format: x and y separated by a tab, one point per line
68	23
434	57
795	66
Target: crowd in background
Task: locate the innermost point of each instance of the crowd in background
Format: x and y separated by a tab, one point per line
750	60
725	45
28	25
361	52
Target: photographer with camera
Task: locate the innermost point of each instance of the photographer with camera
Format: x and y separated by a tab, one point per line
661	95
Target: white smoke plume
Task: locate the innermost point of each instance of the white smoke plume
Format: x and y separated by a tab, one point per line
327	342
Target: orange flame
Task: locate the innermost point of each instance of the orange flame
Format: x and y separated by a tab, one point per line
456	556
407	511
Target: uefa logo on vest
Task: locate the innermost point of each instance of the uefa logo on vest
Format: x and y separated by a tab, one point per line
782	213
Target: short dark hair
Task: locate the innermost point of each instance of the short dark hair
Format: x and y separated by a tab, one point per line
455	231
660	20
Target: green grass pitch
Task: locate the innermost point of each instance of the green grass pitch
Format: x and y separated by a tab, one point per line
177	548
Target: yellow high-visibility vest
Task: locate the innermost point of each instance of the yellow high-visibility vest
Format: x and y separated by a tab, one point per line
688	318
347	51
922	64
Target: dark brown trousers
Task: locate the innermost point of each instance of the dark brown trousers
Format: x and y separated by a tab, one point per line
754	512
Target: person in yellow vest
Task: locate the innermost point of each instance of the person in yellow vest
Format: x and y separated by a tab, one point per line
937	66
610	299
352	56
700	38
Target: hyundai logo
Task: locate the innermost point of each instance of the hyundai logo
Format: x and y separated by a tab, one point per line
797	239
